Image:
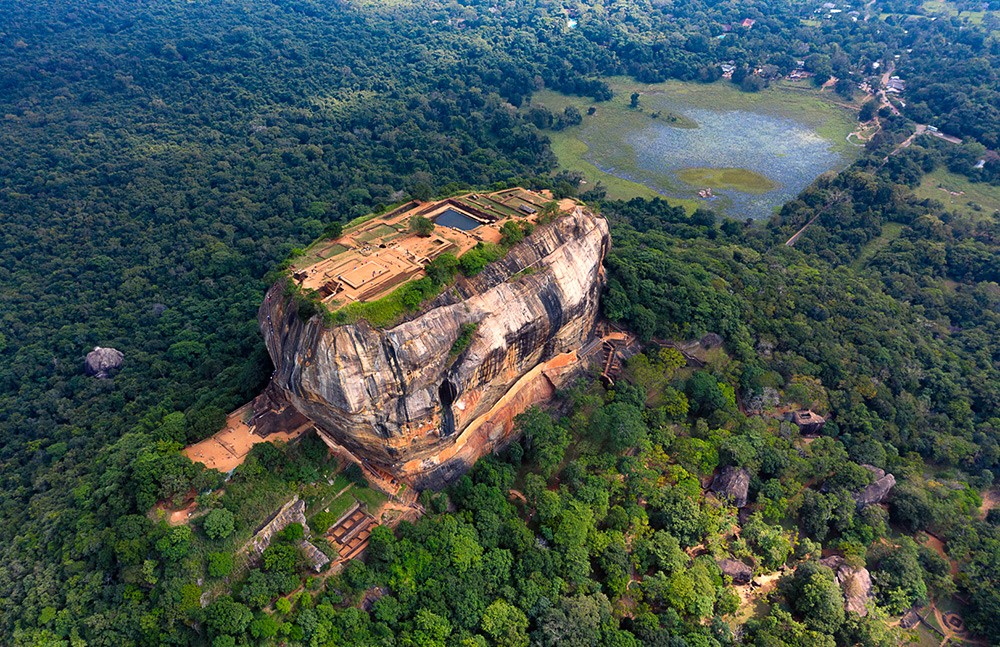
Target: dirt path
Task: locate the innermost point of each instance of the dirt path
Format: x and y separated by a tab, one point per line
181	516
753	596
991	500
937	545
920	130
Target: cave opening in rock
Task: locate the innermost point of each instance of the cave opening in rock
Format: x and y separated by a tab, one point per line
447	392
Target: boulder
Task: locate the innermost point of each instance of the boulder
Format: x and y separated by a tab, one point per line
737	570
711	340
103	362
732	483
875	492
877	471
856	584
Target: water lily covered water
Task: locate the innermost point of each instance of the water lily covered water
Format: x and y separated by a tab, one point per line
782	156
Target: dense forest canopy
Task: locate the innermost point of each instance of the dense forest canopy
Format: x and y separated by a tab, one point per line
160	159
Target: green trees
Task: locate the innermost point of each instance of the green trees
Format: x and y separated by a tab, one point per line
845	88
465	336
770	542
442	269
545	441
421	226
160	250
707	394
476	259
814	595
175	543
511	233
220	564
898	576
619	423
505	624
219	523
334	230
226	616
868	110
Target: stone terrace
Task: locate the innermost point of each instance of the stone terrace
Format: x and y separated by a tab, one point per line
379	254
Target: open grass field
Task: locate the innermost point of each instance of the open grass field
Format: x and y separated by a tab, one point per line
339	497
695	128
373	498
945	8
976	200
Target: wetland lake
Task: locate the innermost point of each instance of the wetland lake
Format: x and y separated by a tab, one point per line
754	152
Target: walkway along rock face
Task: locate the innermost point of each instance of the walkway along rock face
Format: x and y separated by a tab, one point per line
401	400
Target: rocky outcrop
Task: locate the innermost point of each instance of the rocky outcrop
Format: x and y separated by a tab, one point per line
292	512
103	362
856	584
732	483
739	572
877	491
402	400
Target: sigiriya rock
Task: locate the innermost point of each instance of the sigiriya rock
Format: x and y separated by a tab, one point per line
426	396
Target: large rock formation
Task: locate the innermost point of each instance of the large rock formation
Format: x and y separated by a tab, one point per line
877	491
402	400
740	572
856	583
103	362
732	483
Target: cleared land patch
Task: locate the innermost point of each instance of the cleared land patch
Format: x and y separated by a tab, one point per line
227	449
976	200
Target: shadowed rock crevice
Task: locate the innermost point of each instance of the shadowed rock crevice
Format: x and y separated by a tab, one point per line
447	393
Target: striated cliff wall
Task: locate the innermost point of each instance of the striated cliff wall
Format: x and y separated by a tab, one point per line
399	399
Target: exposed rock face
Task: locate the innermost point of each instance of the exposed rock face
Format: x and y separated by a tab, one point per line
292	512
740	572
856	583
877	491
400	399
732	483
103	362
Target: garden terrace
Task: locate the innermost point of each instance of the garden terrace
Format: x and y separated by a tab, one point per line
376	255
